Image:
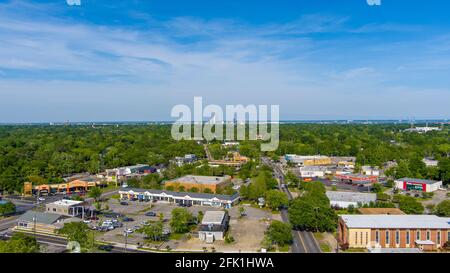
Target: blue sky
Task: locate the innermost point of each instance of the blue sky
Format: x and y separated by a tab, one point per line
134	60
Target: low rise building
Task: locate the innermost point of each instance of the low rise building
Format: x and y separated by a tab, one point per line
213	227
343	199
41	222
188	182
430	162
415	184
426	232
370	171
65	207
186	198
313	171
380	211
313	160
359	179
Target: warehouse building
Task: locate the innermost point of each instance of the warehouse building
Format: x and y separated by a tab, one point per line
343	199
426	232
186	198
415	184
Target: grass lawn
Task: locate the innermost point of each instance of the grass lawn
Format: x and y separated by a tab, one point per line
318	235
176	236
325	247
355	250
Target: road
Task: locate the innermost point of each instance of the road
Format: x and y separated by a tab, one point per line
303	241
25	204
62	242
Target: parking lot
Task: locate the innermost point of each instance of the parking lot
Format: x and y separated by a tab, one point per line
247	231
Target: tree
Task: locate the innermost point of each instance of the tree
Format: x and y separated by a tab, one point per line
443	209
154	231
279	233
275	199
377	188
95	193
20	243
312	210
78	232
181	219
7	208
410	205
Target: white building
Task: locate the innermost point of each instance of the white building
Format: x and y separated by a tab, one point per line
312	171
425	129
187	198
213	227
430	162
343	199
415	184
66	207
369	170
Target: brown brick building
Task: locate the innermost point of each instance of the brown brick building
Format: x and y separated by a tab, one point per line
427	232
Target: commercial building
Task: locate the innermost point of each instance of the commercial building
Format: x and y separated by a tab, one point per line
426	232
38	221
76	186
188	182
64	207
370	171
312	171
314	160
415	184
343	199
186	159
359	179
213	227
187	198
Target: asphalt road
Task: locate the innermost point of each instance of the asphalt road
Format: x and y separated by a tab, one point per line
303	241
62	242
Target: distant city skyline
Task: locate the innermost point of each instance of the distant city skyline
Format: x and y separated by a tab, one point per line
134	60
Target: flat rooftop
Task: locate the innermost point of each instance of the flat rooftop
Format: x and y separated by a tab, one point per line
351	196
396	221
65	202
213	217
389	211
197	179
417	180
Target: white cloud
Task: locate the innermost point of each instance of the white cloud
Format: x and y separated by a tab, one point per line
73	2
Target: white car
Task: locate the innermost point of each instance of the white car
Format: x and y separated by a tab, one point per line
41	199
87	221
128	231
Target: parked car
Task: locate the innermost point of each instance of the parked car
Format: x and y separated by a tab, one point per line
123	203
87	221
127	219
41	199
107	248
128	231
150	213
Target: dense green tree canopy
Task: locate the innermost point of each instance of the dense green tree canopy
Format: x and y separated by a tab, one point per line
181	220
19	243
279	233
